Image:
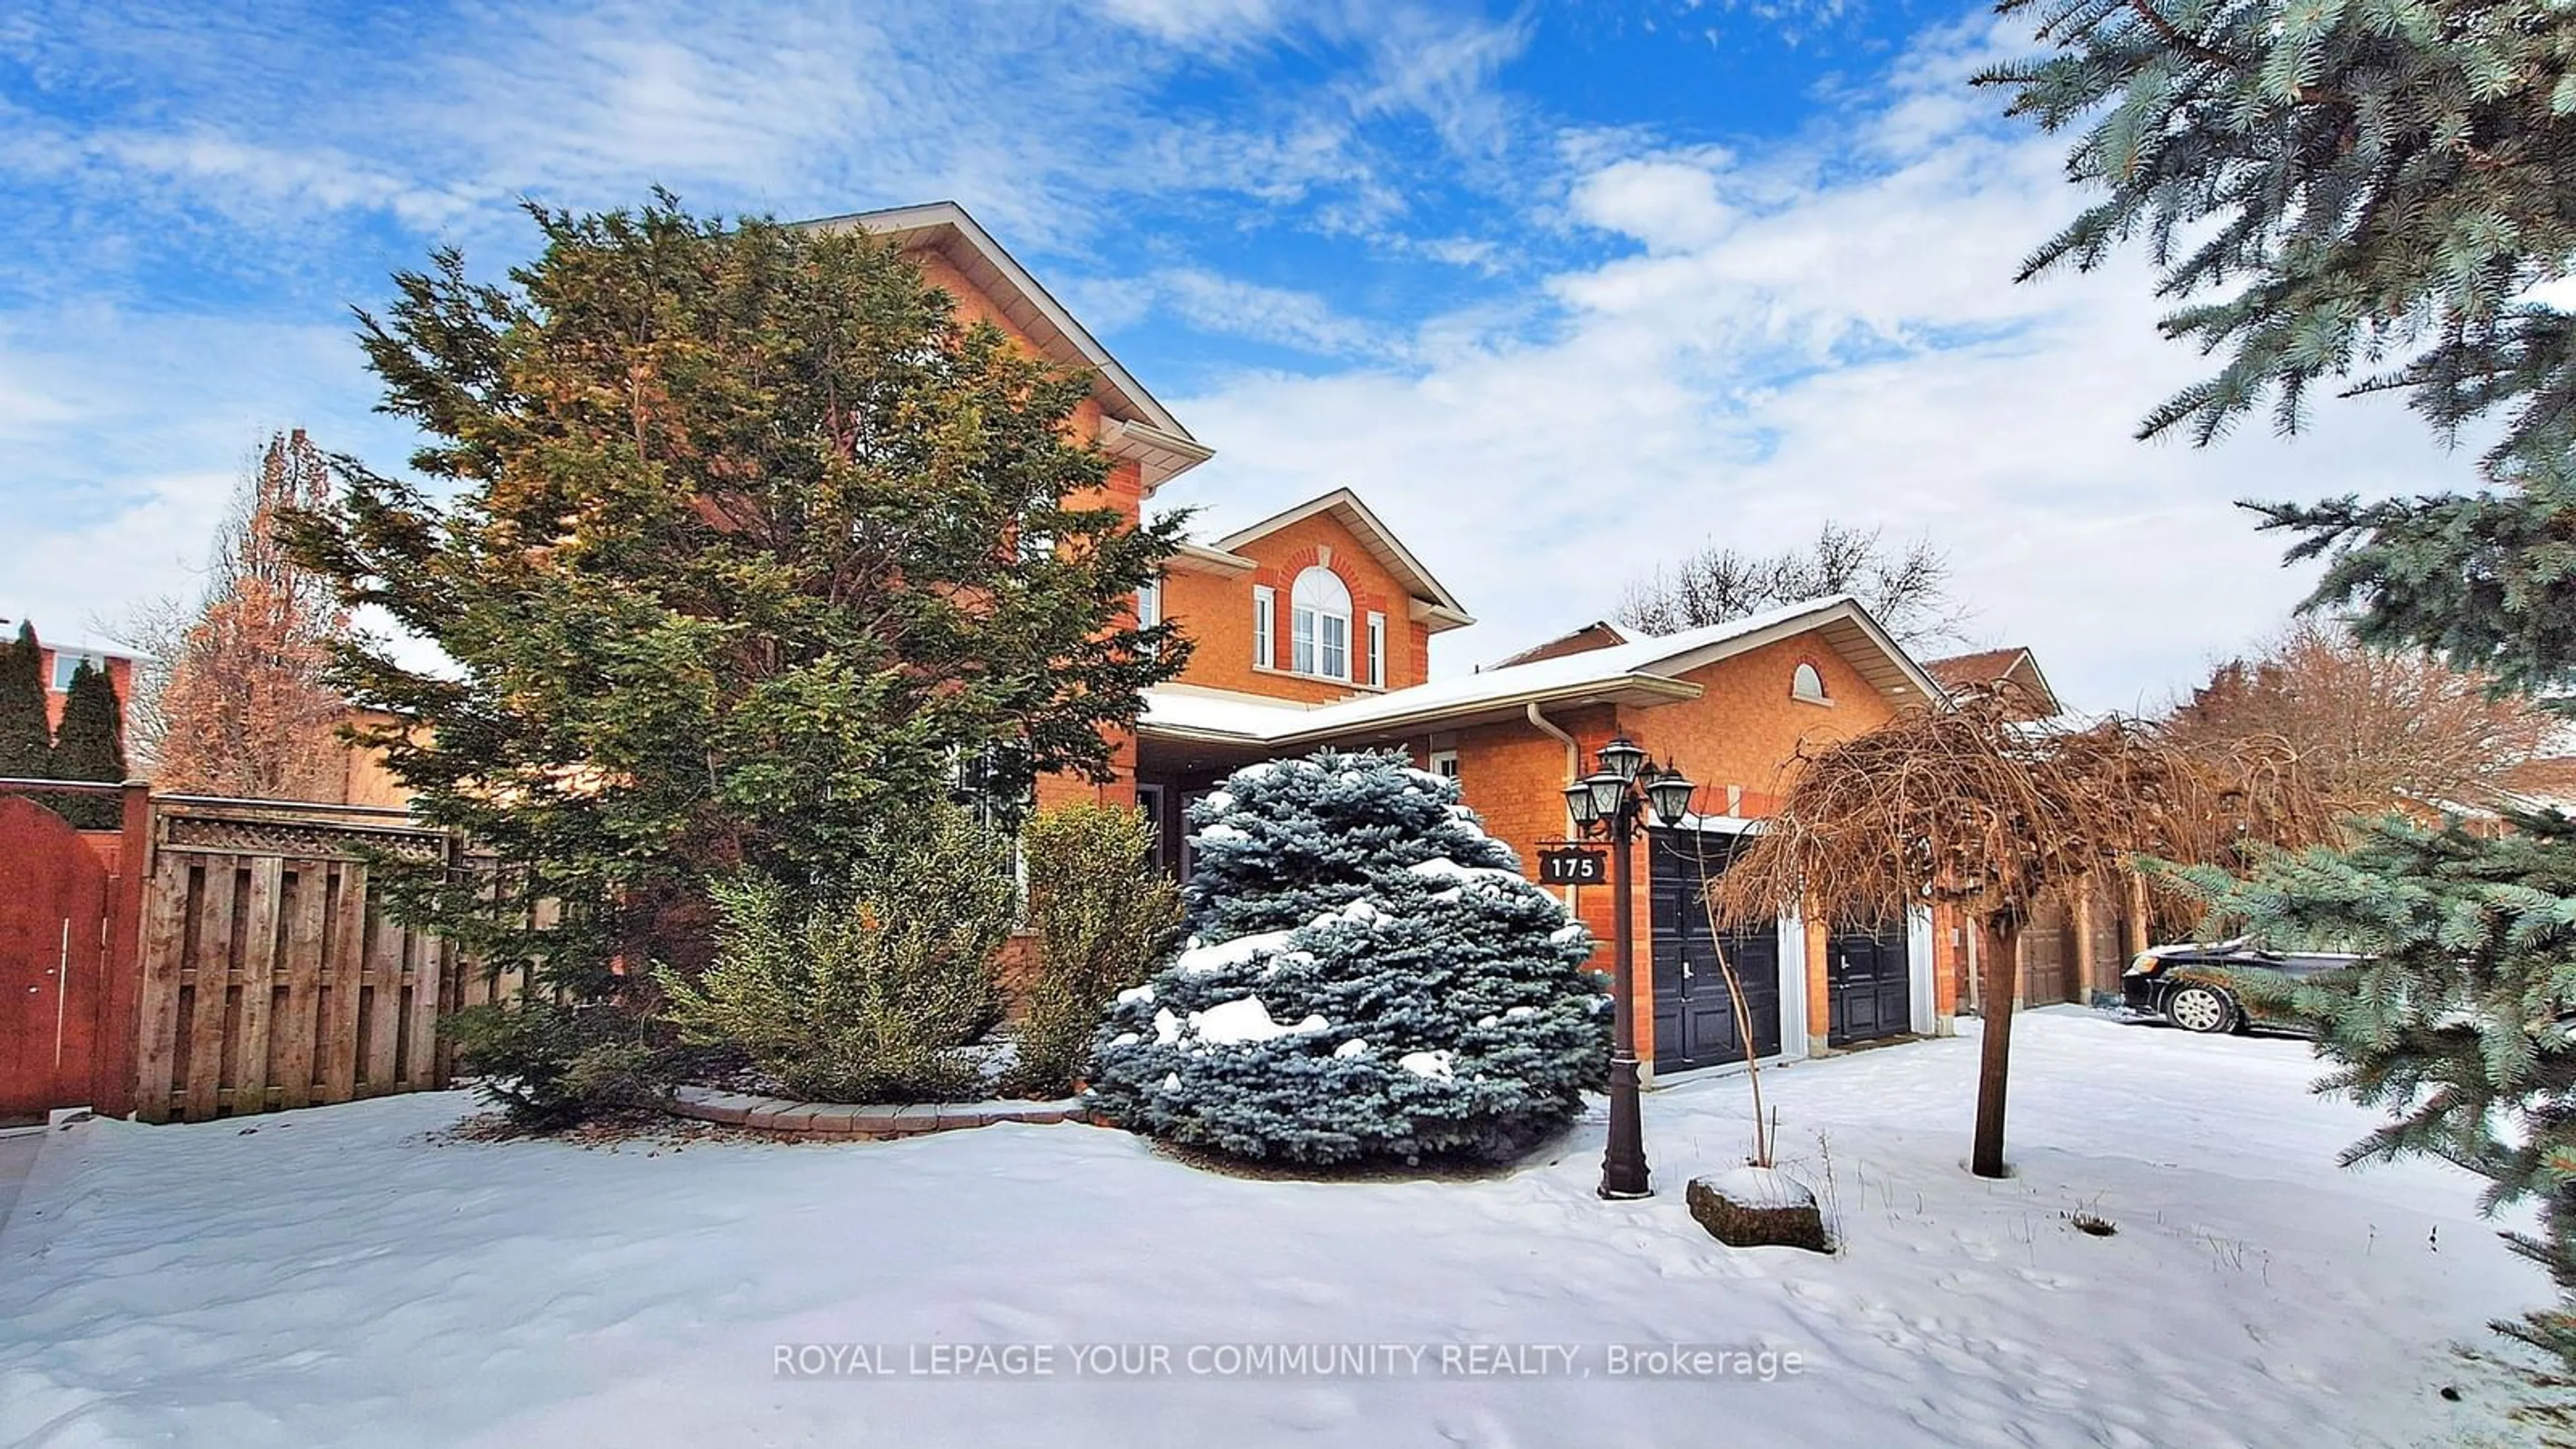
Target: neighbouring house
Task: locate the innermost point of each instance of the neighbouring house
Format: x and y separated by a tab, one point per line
61	659
2076	942
2013	669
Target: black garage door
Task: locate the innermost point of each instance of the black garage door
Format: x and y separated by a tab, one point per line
1867	985
1694	1018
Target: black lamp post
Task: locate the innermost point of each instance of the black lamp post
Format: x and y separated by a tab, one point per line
1608	804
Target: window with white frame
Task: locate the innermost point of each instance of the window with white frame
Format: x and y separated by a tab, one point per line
1265	608
1807	684
1444	763
1377	651
1319	632
66	664
1149	605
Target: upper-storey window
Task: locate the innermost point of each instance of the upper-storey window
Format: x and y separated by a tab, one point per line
66	664
1807	684
1320	624
1149	605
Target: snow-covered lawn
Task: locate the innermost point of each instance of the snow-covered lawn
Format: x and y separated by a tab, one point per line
334	1277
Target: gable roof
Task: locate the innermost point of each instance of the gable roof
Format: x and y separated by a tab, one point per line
1645	671
1983	668
1599	634
1443	610
1141	425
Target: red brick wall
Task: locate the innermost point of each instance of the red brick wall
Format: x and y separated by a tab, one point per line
1123	490
1743	731
120	677
1217	613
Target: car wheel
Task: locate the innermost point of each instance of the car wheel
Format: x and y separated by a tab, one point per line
2200	1008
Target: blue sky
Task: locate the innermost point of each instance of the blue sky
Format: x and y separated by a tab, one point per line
1560	289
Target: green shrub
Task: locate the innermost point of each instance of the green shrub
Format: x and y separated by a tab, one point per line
865	994
549	1065
1104	916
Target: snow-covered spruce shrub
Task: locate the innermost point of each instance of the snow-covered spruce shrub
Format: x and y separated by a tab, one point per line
1370	977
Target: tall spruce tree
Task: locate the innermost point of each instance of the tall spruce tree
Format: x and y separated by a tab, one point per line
90	745
738	539
2368	195
26	733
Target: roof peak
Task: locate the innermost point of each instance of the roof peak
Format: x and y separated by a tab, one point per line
948	227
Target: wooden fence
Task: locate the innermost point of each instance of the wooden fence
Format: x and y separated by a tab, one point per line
272	976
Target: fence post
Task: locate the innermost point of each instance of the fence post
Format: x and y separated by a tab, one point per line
118	1030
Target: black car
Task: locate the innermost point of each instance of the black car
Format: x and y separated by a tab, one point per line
2188	986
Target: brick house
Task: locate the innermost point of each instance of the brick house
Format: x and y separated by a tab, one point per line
1729	705
59	660
1313	628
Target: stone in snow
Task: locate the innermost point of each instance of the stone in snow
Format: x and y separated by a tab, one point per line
1760	1187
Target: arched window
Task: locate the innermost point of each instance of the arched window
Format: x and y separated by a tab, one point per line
1807	684
1320	624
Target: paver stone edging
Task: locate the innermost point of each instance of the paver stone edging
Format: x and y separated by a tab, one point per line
842	1119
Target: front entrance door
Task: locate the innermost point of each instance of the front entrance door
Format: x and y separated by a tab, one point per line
1869	986
1694	1015
53	909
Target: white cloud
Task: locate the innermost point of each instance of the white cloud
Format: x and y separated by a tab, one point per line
1219	24
1823	331
1278	315
122	434
1665	202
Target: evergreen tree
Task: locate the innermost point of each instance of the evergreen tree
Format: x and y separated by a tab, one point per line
90	745
1372	978
26	733
2456	1021
2367	194
731	544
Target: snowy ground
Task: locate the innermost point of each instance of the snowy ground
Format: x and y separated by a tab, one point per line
336	1278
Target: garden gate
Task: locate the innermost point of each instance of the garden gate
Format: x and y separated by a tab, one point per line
63	1004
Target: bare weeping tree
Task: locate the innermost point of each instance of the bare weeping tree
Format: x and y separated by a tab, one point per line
1905	588
1978	810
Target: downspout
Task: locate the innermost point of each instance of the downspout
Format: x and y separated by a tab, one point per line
1573	772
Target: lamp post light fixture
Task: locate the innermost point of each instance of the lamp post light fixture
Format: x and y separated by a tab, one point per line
1608	804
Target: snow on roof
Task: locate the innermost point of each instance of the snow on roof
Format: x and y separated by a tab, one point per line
1650	665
